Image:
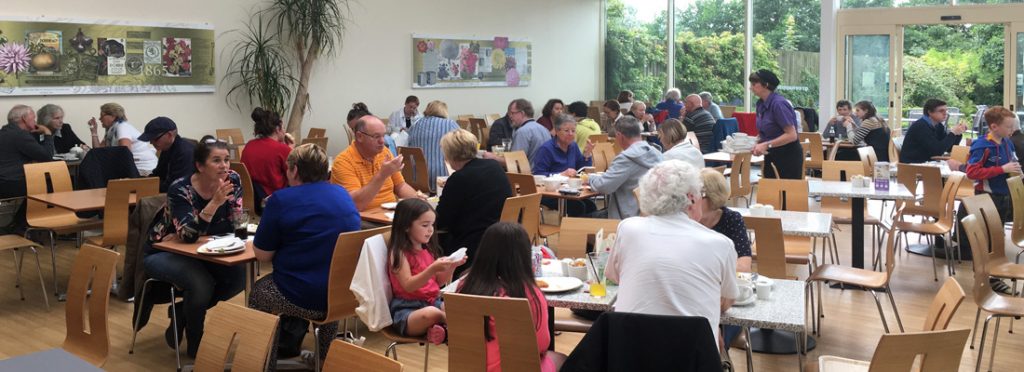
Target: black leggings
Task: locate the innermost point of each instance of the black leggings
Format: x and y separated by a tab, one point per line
788	159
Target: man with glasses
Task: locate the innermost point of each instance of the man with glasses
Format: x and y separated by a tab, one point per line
529	135
175	152
928	137
370	173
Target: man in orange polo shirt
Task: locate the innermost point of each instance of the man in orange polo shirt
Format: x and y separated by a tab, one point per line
367	170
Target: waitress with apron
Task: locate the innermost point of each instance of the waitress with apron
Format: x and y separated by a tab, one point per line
777	128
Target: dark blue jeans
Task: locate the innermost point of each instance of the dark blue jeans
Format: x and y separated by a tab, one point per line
202	283
573	208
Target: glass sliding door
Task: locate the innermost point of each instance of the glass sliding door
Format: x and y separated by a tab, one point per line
867	64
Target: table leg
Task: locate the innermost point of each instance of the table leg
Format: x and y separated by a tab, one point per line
774	341
250	280
551	328
801	346
857	233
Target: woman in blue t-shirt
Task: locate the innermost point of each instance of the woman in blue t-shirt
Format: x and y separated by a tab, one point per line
297	232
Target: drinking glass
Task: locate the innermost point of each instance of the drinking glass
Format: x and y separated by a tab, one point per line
595	267
506	143
240	219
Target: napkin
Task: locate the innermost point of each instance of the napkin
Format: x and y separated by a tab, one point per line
390	215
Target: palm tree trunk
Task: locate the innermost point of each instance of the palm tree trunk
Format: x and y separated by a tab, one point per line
302	94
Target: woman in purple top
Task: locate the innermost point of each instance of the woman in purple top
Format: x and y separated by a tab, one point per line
776	127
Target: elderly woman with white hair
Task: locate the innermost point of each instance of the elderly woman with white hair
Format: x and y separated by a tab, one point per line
673	103
667	263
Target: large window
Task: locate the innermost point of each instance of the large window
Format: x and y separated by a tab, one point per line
787	41
635	49
709	46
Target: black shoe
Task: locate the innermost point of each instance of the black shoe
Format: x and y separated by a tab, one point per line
179	308
1001	287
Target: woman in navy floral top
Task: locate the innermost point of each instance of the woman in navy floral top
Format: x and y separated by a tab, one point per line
201	204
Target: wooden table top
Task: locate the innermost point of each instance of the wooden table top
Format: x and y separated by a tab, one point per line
726	157
376	215
189	249
78	200
585	193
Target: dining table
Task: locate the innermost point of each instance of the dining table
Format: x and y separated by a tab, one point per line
796	223
78	200
857	196
245	257
783	312
378	215
727	157
585	193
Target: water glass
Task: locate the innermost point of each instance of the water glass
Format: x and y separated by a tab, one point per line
506	143
240	220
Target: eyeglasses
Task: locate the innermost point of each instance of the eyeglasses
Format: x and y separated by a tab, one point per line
375	137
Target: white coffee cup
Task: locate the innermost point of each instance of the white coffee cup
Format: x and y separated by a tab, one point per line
746	289
578	272
575	183
764	291
552	184
757	210
769	210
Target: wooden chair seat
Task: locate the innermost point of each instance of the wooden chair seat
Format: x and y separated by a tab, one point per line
829	363
1005	269
566	321
12	241
392	334
797	256
844	216
65	223
548	230
1003	305
927	228
344	356
850	275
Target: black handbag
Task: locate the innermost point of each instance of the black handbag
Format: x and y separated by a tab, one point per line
290	332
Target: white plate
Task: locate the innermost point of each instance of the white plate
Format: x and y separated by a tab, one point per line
236	246
389	205
746	301
560	283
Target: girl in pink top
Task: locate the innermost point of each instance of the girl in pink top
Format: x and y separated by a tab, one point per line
415	272
503	268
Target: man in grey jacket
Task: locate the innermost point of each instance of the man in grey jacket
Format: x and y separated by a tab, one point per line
624	173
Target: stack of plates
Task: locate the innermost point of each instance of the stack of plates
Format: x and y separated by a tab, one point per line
738	142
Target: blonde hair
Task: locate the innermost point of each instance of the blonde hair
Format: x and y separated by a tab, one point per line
459	145
310	162
716	189
114	110
672	133
436	108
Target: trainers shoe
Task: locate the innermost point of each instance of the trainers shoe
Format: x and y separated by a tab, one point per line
437	334
1001	287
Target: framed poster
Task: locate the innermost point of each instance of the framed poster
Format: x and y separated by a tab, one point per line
454	62
55	56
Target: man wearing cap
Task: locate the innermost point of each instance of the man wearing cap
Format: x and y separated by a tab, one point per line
175	152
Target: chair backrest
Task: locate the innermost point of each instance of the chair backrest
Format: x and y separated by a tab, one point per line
231	135
720	169
492	117
574	232
317	132
868	158
960	153
691	137
513	320
319	141
516	162
594	112
949	197
982	207
832	151
784	194
1017	195
415	168
466	117
227	324
839	170
894	151
341	302
344	356
92	275
479	127
727	111
248	191
604	153
524	210
463	123
974	228
115	210
599	138
943	306
940	350
36	176
931	178
739	180
813	151
769	244
522	184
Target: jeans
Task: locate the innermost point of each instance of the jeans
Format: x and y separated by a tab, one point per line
573	208
202	283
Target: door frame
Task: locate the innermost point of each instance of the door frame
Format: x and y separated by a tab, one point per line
895	34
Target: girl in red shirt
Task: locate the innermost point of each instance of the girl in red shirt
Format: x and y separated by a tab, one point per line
416	271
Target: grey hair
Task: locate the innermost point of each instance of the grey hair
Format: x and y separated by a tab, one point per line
628	126
706	96
666	188
46	113
673	94
17	112
562	119
637	103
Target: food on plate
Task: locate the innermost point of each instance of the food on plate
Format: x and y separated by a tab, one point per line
579	263
542	284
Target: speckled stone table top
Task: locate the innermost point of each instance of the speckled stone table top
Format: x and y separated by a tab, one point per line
578	298
811	224
785	310
842	189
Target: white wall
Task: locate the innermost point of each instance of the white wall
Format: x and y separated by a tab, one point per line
374	65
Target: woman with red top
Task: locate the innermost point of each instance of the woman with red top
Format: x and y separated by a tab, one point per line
416	272
266	155
503	268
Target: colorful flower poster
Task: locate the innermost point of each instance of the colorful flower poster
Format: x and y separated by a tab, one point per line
177	57
453	62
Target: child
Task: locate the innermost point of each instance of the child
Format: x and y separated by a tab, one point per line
415	272
503	268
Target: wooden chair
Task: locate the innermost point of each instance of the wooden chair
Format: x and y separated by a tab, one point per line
604	154
317	133
524	184
691	137
54	220
941	351
344	356
228	324
92	275
1017	194
524	210
740	185
947	300
997	305
491	118
871	280
14	243
894	151
811	143
769	246
727	111
115	208
840	208
466	116
930	177
599	138
479	128
319	141
868	158
415	169
790	195
833	150
248	192
516	162
463	123
999	266
573	237
960	153
941	226
594	112
467	348
233	136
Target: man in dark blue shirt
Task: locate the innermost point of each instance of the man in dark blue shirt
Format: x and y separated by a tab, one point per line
175	152
928	137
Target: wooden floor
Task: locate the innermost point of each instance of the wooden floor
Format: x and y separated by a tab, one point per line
851	327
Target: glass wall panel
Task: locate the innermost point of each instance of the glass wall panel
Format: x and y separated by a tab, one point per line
635	48
787	41
709	49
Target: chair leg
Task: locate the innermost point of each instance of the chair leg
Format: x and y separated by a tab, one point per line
42	283
995	338
53	262
981	347
974	331
895	310
750	353
174	323
141	302
393	350
17	272
426	357
881	314
935	270
316	347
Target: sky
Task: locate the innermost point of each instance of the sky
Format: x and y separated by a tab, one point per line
646	10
